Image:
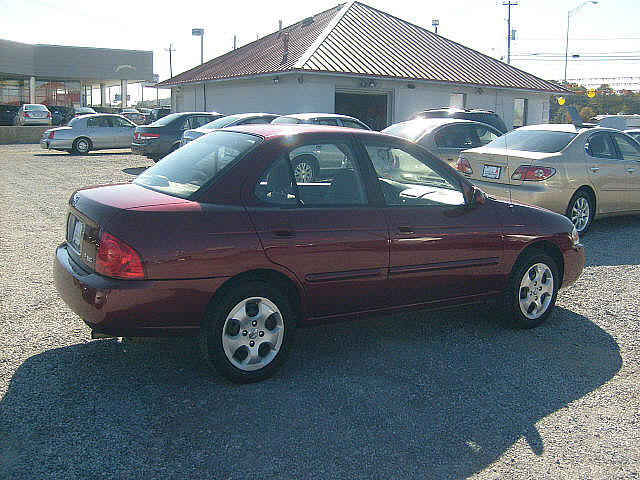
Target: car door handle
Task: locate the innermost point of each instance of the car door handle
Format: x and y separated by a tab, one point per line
595	169
283	232
405	229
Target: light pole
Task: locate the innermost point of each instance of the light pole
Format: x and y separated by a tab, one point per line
199	32
566	50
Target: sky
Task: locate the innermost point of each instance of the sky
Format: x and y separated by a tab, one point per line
606	36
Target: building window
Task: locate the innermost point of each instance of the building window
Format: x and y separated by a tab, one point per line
14	92
520	112
457	100
58	93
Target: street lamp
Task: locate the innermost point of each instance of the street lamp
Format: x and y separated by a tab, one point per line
566	51
199	32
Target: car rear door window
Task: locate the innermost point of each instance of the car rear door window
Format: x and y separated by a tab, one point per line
600	145
627	149
98	122
485	134
457	136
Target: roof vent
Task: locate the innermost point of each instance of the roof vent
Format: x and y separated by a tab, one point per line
307	21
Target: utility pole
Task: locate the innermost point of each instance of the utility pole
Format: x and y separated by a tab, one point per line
170	49
509	4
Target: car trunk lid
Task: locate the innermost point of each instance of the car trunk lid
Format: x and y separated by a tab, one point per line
496	165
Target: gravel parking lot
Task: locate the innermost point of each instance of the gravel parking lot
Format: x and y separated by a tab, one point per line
448	394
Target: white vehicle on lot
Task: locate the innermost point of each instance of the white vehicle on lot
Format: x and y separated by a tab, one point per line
33	114
90	132
621	122
583	173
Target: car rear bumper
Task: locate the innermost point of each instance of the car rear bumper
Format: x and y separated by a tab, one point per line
151	149
55	144
533	193
133	307
36	121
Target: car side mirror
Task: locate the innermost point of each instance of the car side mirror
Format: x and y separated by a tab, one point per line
476	197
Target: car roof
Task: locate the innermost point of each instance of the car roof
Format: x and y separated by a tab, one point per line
307	116
566	127
271	130
432	123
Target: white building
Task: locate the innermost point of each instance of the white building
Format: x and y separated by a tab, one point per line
357	60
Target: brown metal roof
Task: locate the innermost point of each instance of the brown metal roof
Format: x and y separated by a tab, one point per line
358	39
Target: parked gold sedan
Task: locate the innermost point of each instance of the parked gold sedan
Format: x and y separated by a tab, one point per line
583	173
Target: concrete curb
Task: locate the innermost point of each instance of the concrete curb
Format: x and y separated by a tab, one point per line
25	134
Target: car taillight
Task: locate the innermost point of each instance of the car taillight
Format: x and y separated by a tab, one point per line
26	115
148	135
532	174
117	259
464	166
48	114
51	135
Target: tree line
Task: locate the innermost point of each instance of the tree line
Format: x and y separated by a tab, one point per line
606	101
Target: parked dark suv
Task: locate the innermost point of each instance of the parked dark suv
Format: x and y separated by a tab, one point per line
163	136
483	116
59	114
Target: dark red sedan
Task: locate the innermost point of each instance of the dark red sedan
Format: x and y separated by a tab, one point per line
218	239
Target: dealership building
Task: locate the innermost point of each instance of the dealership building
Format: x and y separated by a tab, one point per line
356	60
68	76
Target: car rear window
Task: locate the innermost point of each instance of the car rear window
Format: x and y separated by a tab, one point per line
287	120
545	141
186	171
41	108
409	130
221	122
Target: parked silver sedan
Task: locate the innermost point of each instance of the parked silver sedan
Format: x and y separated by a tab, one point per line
90	132
445	137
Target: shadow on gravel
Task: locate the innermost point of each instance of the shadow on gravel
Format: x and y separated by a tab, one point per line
91	154
613	241
134	170
430	395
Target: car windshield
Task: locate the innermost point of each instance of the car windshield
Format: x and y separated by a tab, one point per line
220	122
166	120
286	120
184	172
409	130
544	141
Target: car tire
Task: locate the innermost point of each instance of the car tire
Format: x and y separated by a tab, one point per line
304	168
531	290
581	210
81	145
247	332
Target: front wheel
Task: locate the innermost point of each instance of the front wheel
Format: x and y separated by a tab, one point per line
531	291
246	336
304	169
581	210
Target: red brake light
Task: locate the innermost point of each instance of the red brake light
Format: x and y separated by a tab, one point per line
117	259
26	114
532	174
464	166
48	114
148	135
51	135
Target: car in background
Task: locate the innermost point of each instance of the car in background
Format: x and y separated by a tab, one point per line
583	173
634	133
163	136
159	112
445	137
77	111
259	254
334	119
147	115
59	114
314	162
90	132
482	116
33	114
227	121
134	115
8	114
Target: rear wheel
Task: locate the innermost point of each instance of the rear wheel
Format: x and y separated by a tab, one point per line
81	145
247	334
531	291
581	210
304	168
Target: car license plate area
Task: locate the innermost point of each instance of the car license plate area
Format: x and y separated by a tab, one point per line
491	171
75	233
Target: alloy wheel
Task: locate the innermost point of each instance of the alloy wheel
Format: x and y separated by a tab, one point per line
580	213
536	291
303	171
